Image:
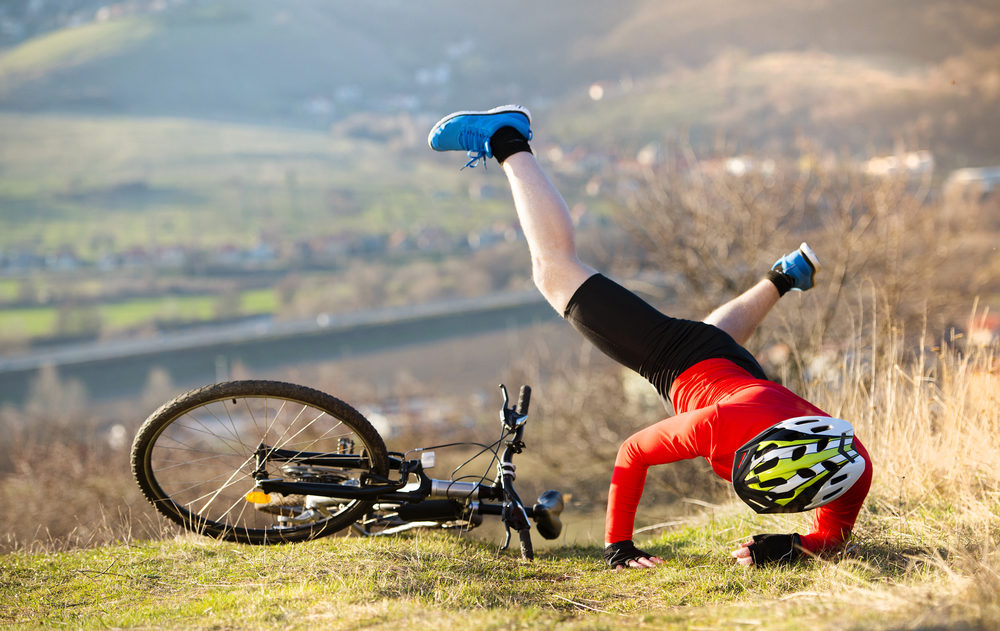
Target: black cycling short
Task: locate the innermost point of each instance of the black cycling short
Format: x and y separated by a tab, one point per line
658	347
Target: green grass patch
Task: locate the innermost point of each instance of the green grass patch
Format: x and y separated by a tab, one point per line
9	289
170	308
40	322
434	580
73	47
259	301
27	323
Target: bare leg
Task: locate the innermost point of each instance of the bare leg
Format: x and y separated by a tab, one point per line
547	226
558	272
740	316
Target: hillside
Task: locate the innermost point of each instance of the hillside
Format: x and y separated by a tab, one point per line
164	181
303	61
891	580
788	102
174	137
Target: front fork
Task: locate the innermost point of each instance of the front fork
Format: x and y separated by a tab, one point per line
514	515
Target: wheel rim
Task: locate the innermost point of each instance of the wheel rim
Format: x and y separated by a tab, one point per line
202	463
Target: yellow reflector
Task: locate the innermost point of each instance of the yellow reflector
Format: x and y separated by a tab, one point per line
257	496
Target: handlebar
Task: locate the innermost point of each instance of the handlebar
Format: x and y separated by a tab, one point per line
523	400
513	417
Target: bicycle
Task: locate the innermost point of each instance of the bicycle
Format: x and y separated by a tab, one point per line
265	462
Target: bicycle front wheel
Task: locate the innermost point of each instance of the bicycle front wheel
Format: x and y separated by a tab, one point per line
196	458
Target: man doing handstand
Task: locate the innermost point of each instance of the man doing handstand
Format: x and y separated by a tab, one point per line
781	453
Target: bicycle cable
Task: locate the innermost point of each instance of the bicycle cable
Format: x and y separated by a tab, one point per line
416	449
495	447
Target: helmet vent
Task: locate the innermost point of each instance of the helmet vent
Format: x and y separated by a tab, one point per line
766	448
804	421
821	443
766	484
821	428
830	466
799	451
764	466
806	473
838	479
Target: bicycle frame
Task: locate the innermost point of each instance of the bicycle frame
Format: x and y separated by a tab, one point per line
389	491
425	499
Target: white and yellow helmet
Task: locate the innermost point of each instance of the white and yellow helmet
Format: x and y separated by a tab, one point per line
797	465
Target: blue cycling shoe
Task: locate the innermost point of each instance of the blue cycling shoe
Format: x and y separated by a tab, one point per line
801	265
471	131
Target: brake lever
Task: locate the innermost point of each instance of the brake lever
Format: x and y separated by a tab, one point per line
508	414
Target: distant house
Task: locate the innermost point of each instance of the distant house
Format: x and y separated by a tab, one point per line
65	260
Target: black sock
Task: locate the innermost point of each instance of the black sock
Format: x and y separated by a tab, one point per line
507	141
781	280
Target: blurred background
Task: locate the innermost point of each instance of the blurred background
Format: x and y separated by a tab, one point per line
198	190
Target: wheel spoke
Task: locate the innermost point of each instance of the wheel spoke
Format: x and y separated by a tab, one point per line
200	460
209	432
187	463
224	486
200	482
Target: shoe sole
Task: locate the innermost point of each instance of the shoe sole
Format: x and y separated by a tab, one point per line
811	257
519	109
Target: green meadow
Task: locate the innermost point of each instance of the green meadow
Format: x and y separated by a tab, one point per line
126	314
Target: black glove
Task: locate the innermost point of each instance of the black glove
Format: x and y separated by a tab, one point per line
622	552
775	548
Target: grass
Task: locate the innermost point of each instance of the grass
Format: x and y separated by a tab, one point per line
71	47
437	580
8	289
132	312
259	301
36	322
27	323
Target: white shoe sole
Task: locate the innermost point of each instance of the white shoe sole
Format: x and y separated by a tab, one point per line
810	256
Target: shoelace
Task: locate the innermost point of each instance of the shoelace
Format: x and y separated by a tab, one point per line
476	156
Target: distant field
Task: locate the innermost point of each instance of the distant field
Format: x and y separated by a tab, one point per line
27	323
73	47
38	322
107	183
8	289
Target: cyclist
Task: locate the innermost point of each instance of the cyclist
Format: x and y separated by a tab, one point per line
782	453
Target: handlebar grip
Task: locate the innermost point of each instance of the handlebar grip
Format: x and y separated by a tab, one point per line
523	400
